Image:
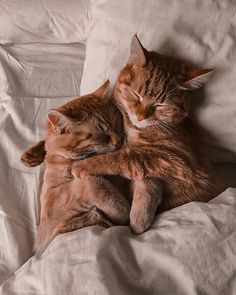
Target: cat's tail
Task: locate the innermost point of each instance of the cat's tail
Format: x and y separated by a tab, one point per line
48	231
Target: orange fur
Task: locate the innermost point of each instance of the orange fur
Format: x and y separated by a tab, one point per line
161	150
85	126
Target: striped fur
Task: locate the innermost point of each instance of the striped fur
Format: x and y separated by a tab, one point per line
82	127
162	148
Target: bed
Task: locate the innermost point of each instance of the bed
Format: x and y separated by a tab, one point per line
54	50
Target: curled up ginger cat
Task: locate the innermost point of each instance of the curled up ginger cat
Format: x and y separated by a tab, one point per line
161	145
83	127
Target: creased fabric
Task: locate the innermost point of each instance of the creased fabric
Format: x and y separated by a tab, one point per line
48	21
34	78
189	250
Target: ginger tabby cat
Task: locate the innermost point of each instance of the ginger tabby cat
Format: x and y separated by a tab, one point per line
88	125
161	145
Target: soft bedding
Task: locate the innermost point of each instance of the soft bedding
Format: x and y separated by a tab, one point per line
48	21
188	250
34	78
41	61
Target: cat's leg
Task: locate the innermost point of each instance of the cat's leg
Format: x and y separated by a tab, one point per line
35	155
84	219
97	203
147	197
123	162
54	226
46	232
109	200
51	227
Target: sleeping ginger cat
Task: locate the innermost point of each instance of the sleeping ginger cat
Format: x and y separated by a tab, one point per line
83	127
161	143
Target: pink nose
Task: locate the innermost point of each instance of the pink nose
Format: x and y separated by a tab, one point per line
140	117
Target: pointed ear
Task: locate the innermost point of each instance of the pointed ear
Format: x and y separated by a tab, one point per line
196	78
102	90
59	122
137	53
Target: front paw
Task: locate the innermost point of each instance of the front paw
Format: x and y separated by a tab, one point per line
31	159
79	170
139	223
143	208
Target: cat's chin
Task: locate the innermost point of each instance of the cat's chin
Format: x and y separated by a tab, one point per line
139	124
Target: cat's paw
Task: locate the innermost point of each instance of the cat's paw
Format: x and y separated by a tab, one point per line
79	170
138	223
31	159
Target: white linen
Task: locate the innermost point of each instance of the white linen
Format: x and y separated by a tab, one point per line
34	78
189	250
202	32
52	21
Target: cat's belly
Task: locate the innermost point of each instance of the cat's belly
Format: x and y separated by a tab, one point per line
62	196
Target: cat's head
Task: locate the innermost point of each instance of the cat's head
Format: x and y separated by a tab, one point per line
86	126
152	87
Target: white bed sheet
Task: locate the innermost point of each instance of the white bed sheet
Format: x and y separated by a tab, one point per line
51	21
34	78
189	250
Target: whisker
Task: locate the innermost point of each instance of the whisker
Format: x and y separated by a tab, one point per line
160	127
165	127
173	91
169	127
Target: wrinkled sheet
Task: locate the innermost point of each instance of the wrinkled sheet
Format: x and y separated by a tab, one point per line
34	78
51	21
189	250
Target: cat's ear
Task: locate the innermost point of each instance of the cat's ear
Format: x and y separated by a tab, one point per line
137	53
102	90
59	122
196	78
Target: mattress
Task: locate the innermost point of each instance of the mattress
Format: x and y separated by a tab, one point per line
188	250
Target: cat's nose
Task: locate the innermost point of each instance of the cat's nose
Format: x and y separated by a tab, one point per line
141	117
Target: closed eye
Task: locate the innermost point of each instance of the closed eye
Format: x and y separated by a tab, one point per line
159	104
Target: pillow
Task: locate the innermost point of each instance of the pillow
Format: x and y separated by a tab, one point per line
200	32
52	21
